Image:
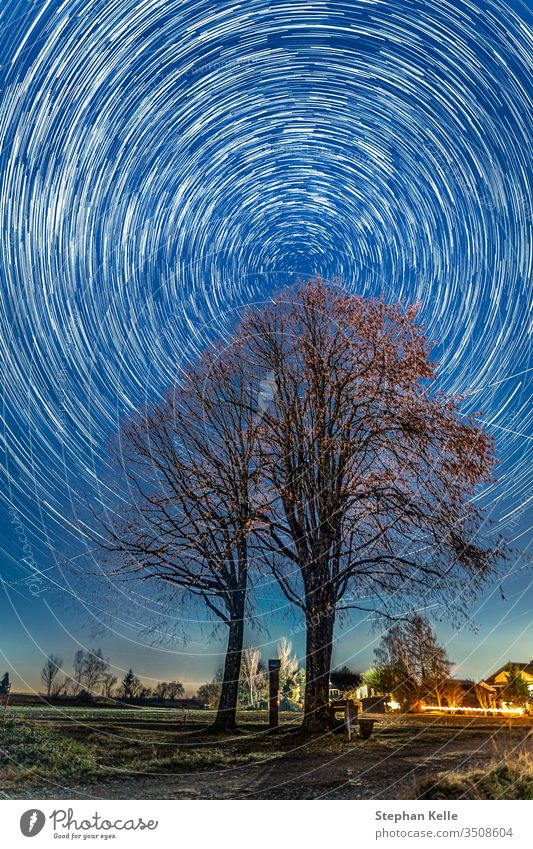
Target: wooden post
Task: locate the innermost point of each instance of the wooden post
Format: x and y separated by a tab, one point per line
273	686
348	718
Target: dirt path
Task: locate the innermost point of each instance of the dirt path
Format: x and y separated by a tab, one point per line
383	767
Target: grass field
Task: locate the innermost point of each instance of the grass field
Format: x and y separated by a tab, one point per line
52	752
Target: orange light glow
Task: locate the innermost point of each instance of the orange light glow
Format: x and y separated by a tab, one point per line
518	711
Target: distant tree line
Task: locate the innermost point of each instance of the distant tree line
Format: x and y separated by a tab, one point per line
411	667
92	676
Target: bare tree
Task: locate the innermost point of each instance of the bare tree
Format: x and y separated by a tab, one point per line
175	689
289	663
453	693
161	690
89	669
485	695
190	469
436	674
368	473
209	693
108	682
93	669
410	658
251	674
396	669
50	675
73	682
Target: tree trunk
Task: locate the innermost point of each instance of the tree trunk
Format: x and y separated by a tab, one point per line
227	706
318	663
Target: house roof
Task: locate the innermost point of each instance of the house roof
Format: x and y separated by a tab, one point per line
524	667
485	686
465	683
344	680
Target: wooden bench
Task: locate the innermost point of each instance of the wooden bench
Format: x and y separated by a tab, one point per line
350	716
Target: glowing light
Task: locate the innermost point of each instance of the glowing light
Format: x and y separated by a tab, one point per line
517	711
394	705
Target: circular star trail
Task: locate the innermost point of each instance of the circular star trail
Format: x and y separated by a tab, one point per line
164	163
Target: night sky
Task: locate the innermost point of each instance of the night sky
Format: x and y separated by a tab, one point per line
165	162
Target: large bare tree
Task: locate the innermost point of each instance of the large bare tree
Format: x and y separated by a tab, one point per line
190	468
368	473
414	663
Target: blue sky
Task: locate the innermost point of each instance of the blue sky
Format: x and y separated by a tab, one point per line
164	164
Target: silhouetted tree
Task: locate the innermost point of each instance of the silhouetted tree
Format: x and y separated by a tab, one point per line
89	669
108	684
209	693
175	690
4	684
160	690
131	686
344	679
50	675
189	463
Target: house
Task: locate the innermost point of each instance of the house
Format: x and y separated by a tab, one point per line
498	679
343	682
486	694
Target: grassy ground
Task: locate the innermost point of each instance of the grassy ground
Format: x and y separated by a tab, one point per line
144	753
510	778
